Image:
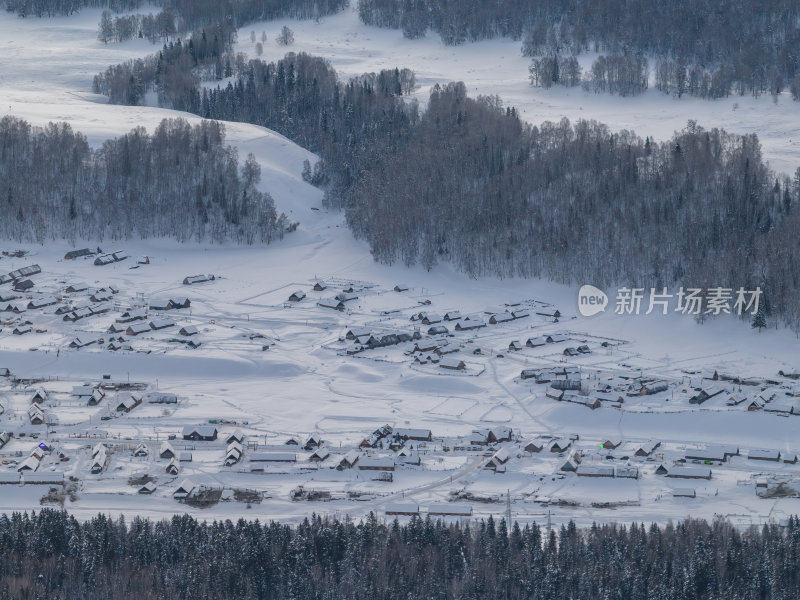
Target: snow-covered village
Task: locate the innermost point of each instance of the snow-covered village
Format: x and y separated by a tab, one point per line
399	299
346	396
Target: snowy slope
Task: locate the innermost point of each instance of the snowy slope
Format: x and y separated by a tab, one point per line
46	75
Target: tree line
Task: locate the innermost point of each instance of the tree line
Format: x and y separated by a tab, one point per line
54	8
181	182
620	75
726	47
475	186
155	28
50	554
185	15
468	182
700	47
174	73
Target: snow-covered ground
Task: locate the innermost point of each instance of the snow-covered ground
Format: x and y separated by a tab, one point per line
305	382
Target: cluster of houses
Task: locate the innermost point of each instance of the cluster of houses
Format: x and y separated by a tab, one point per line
402	442
438	323
36	414
338	302
163	304
91	395
20	277
566	384
98	301
425	350
474	321
27	471
365	339
544	340
694	464
77	313
492	435
33	461
69	311
778	486
103	259
234	449
594	463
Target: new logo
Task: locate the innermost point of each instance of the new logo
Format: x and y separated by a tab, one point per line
591	300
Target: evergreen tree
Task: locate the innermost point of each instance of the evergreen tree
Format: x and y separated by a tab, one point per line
759	320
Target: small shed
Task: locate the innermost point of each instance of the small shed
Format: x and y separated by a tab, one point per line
147	488
536	342
368	463
647	448
128	403
178	303
157	324
184	490
78	253
470	324
205	433
349	460
23	286
453	364
498	318
595	470
39	396
331	303
194	279
35	414
534	446
166	450
689	472
319	455
402	509
768	455
141	451
237	436
137	329
420	435
560	445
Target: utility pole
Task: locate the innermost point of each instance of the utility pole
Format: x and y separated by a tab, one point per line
508	510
